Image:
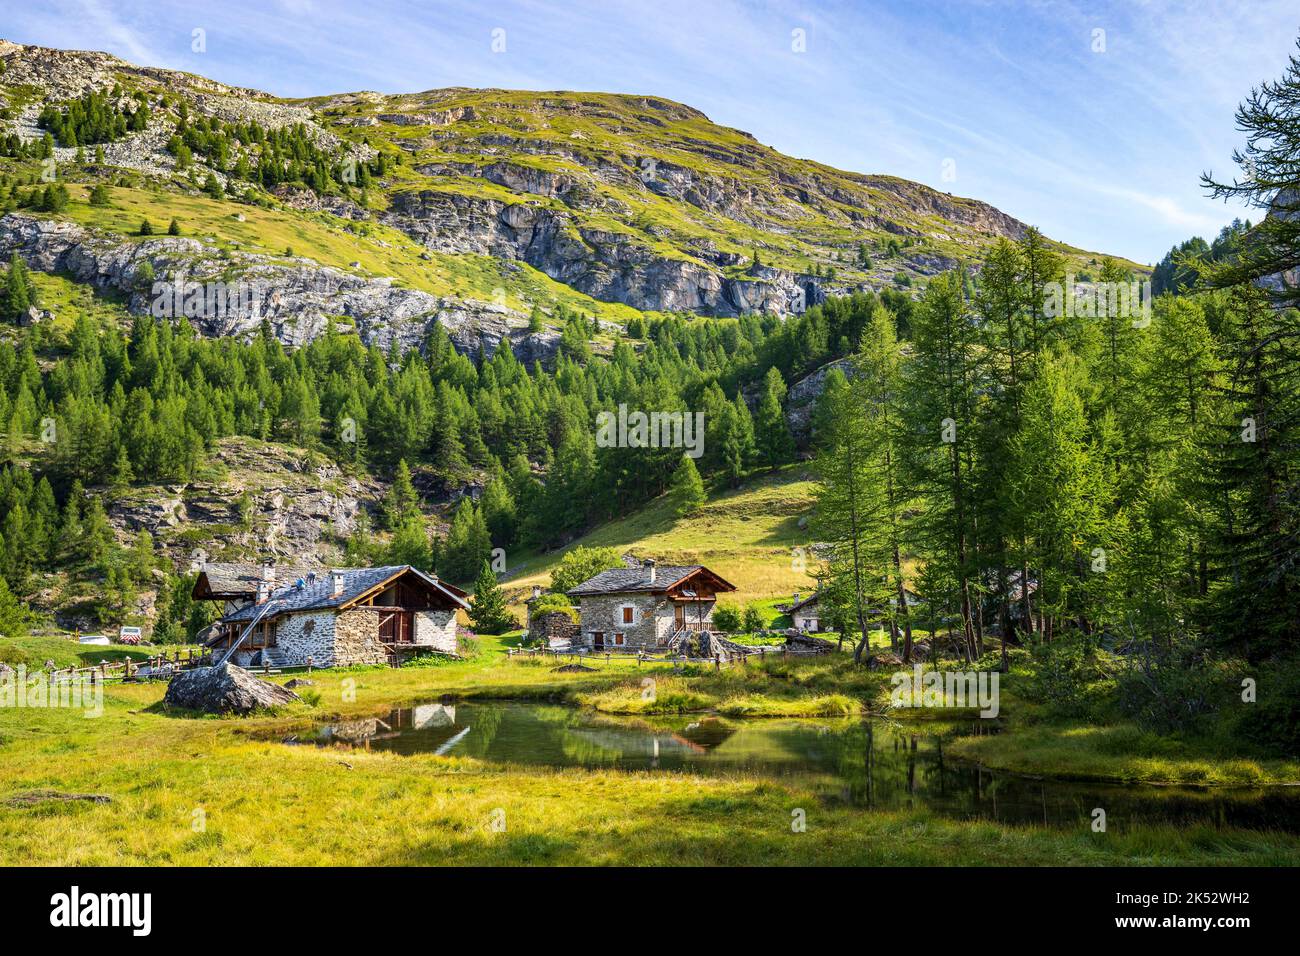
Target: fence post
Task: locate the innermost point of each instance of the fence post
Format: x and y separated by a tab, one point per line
309	664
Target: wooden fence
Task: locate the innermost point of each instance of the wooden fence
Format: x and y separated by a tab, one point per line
718	661
158	665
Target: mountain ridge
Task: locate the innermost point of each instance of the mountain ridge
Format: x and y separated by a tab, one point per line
628	201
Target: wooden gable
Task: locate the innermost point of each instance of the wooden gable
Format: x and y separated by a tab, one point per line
699	585
408	590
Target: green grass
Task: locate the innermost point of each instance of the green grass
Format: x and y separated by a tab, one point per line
66	651
331	241
1119	752
261	802
749	536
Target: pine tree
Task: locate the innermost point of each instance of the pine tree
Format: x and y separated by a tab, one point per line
402	503
771	431
942	382
848	516
687	492
487	608
19	293
1270	118
410	545
468	543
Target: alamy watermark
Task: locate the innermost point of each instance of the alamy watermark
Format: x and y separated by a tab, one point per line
179	296
1097	300
651	430
965	689
39	690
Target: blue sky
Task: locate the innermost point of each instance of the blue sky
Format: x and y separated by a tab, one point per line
1098	147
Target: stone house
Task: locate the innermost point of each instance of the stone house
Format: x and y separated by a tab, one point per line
332	618
648	607
805	615
556	627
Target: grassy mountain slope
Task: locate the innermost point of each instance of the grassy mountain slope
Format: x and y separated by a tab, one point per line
748	535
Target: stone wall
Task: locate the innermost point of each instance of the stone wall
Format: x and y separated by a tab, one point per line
652	617
299	636
555	627
436	629
356	638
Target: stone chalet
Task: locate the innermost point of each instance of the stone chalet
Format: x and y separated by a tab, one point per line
647	607
806	615
336	618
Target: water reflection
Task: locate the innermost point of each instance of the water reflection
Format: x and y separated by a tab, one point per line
863	763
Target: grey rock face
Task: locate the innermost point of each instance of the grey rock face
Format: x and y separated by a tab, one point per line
801	399
224	690
605	264
296	506
298	298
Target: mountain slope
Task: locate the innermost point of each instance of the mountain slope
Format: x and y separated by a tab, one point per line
492	202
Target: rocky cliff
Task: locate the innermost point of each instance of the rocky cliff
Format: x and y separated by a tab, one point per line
629	200
231	293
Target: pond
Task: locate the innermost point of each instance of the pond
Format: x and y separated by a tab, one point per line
870	764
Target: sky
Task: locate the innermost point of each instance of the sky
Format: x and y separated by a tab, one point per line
1092	121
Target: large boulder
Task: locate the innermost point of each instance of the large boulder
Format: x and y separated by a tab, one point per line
796	642
226	689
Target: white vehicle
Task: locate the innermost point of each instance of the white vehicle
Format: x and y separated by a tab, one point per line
134	632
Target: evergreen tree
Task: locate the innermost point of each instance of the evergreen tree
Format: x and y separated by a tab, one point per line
402	502
687	492
487	607
771	431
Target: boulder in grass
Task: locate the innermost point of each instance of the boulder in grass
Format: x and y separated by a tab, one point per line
225	689
882	660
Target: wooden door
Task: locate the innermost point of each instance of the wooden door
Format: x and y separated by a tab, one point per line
395	627
679	614
598	640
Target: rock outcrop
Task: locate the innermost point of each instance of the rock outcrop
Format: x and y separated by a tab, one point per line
224	293
270	500
225	689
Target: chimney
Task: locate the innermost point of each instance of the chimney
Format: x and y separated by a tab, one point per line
649	565
268	571
263	591
336	581
537	591
796	597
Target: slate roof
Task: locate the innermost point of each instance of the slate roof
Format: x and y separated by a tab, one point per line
810	599
233	577
317	595
630	580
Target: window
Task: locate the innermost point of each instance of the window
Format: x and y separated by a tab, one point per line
629	615
618	639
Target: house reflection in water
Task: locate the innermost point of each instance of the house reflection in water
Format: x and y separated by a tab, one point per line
362	732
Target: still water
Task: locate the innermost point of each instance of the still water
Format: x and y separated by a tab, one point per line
871	764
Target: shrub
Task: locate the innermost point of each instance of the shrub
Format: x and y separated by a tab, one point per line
1174	691
551	601
1069	677
753	619
1272	722
726	618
